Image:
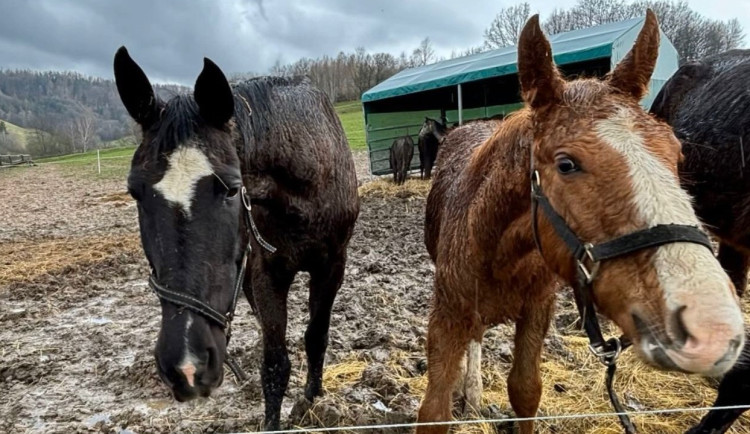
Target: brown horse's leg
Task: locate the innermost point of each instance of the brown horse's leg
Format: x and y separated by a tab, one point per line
736	265
325	282
448	337
270	290
473	379
524	381
468	389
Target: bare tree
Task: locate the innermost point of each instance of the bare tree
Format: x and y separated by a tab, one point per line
362	71
693	35
424	54
81	131
507	25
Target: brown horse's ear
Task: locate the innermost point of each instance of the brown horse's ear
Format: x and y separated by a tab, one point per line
135	90
213	95
541	83
631	76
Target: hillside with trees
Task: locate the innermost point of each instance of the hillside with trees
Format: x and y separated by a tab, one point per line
69	112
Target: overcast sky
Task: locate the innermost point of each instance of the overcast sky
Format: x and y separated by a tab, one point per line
170	38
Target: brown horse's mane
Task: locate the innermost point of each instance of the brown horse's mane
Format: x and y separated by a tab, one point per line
514	133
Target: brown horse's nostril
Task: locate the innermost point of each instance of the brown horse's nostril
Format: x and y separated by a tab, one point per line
680	333
734	345
640	325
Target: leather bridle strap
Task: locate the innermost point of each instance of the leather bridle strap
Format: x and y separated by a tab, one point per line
188	302
588	257
223	320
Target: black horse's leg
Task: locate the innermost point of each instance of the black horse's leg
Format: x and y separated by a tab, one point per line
325	282
270	290
736	265
733	390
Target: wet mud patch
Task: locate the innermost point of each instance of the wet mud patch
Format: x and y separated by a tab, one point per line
78	328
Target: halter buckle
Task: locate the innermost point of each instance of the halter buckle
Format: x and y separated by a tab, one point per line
245	201
536	182
588	272
608	352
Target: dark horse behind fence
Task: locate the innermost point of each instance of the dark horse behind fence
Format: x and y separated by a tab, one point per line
430	136
273	145
402	151
708	105
580	186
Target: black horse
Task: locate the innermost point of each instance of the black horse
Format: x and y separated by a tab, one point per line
707	104
205	158
734	390
430	136
402	151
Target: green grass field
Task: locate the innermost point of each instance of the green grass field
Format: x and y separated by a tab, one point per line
350	113
115	161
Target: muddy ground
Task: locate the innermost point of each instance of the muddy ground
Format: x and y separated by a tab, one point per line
78	325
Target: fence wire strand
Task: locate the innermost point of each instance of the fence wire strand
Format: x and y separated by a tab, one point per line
502	420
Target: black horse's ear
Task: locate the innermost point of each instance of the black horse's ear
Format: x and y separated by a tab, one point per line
135	90
213	95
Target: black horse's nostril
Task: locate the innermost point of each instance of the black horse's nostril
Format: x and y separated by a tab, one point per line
680	333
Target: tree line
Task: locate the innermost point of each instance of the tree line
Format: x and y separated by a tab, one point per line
69	112
75	113
693	35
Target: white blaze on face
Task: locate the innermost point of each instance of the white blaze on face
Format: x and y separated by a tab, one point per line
689	275
687	272
187	366
187	165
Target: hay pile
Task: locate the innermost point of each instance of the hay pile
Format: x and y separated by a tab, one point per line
24	261
570	386
385	188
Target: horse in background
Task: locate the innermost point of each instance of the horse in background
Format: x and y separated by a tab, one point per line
402	151
707	104
430	136
607	170
269	150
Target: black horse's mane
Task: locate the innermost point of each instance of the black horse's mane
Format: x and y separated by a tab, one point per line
180	119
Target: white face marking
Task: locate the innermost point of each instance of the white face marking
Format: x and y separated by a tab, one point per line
688	273
187	165
187	366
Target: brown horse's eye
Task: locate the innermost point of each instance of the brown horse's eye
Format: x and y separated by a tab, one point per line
232	192
566	165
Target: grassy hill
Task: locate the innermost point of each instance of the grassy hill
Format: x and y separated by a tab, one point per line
22	135
349	112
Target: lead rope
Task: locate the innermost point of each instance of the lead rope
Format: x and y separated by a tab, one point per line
621	414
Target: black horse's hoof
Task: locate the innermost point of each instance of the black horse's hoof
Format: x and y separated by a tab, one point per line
313	390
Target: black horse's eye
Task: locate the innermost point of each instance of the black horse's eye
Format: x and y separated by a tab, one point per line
232	192
566	165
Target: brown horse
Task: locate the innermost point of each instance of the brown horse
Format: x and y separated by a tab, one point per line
609	170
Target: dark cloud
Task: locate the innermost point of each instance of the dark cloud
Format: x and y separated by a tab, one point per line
170	38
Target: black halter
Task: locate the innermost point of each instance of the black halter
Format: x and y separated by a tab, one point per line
588	257
223	320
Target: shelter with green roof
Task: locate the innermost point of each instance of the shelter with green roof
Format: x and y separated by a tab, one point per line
485	85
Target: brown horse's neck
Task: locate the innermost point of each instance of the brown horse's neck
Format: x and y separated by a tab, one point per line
499	168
